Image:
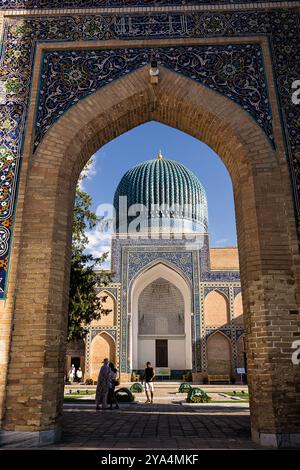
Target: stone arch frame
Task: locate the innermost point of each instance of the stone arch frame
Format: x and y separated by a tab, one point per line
141	282
48	186
151	265
230	347
227	300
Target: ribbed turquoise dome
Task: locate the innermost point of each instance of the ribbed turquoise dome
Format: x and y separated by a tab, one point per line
168	190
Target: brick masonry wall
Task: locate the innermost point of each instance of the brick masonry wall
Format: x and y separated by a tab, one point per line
216	309
103	346
224	258
219	355
110	318
269	261
238	310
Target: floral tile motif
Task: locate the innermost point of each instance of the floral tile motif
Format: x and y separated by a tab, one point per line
280	27
236	71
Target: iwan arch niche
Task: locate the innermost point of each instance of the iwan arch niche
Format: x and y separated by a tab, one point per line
176	327
50	183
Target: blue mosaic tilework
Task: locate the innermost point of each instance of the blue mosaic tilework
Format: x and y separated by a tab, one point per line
237	291
224	290
112	333
138	260
153	245
32	4
236	71
281	27
239	332
220	276
112	290
225	331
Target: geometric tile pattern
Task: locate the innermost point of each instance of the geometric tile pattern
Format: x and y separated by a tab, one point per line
138	260
224	290
31	4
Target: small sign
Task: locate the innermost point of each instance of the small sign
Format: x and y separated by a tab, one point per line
241	370
162	371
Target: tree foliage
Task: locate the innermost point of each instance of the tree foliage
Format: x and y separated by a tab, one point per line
84	304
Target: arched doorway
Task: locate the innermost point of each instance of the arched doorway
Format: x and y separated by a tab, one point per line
158	316
43	227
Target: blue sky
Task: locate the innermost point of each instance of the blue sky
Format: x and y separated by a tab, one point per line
143	143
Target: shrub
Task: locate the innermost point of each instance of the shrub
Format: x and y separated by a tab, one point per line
124	395
89	382
184	388
197	395
136	387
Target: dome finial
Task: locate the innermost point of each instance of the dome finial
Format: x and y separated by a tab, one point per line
160	155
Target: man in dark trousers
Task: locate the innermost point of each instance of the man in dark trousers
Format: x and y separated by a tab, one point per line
148	379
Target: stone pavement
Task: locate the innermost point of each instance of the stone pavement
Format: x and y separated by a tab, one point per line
165	425
158	426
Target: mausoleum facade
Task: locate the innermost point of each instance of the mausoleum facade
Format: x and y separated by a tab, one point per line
173	300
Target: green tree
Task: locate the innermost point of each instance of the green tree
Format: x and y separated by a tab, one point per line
84	304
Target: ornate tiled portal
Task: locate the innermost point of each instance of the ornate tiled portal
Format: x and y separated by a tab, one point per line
245	55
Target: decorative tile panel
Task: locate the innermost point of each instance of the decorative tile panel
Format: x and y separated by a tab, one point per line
236	71
211	330
35	4
224	290
138	260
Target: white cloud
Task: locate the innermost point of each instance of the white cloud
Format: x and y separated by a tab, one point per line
222	242
99	242
92	169
88	172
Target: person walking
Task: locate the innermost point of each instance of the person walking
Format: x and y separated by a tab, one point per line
79	374
113	382
149	375
72	374
102	386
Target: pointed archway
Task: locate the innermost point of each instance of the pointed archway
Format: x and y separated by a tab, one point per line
180	342
39	275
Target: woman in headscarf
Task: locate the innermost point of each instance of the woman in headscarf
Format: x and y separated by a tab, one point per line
103	386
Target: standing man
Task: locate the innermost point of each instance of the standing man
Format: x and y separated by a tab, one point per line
103	386
148	379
